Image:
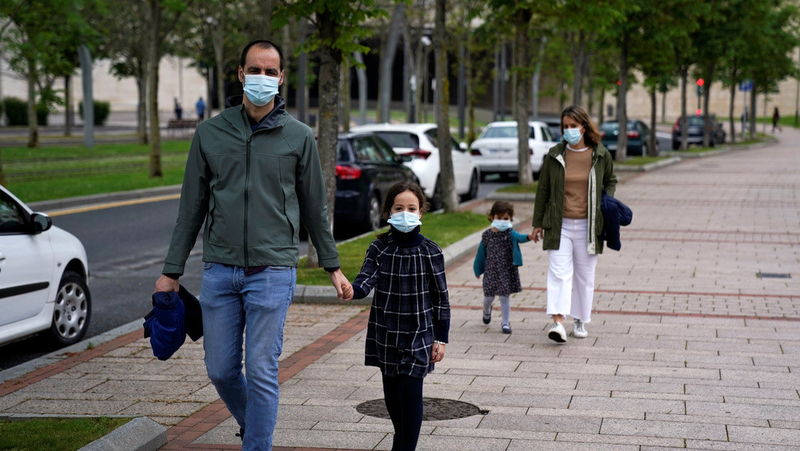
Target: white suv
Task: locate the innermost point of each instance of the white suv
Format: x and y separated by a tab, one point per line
496	150
418	141
43	272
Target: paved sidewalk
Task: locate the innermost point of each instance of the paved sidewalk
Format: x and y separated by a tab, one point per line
688	347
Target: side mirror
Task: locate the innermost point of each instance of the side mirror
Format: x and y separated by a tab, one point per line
40	222
463	146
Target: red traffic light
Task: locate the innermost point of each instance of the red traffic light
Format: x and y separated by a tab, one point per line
700	82
619	83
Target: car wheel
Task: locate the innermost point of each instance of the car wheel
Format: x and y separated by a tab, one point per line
73	309
473	187
373	219
676	145
644	150
483	176
436	201
536	175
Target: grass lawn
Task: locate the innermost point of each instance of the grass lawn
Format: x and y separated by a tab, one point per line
66	171
640	161
55	434
520	188
444	229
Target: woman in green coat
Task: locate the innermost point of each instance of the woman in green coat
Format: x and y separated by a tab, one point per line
567	218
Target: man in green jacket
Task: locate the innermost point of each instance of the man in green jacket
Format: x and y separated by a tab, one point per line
252	173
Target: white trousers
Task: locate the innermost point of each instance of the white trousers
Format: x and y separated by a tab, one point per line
570	279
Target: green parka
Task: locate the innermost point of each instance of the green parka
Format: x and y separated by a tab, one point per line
251	188
548	211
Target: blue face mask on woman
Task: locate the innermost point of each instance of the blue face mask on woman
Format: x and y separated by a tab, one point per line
404	221
260	89
572	135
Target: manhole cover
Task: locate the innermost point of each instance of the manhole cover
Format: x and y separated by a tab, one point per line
432	409
774	275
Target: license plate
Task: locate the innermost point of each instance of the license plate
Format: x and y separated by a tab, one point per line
612	147
499	150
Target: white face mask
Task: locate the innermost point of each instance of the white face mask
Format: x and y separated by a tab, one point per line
260	89
404	221
502	224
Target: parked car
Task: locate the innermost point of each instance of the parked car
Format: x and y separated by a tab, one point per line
366	168
638	137
418	141
554	124
43	273
695	131
496	150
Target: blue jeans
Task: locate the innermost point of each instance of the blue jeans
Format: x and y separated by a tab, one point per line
232	302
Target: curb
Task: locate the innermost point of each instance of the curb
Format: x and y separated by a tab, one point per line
139	434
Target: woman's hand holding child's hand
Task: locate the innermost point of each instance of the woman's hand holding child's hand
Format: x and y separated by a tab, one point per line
438	352
536	234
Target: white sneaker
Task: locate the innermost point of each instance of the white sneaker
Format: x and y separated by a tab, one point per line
557	333
579	331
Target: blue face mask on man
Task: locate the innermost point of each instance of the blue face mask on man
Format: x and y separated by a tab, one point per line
404	221
573	135
260	89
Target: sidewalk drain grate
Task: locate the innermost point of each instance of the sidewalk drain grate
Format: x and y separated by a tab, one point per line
773	275
432	409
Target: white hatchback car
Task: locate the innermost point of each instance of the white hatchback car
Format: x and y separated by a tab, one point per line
496	150
43	273
418	141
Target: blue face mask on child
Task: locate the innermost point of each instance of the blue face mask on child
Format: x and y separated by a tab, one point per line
501	224
404	221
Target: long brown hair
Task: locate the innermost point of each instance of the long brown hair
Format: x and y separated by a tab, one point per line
397	188
591	135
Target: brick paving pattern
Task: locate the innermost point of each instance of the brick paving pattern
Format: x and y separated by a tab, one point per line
688	347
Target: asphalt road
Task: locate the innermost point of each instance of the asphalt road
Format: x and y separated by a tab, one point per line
126	247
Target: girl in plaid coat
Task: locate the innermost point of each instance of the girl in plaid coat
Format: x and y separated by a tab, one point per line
409	321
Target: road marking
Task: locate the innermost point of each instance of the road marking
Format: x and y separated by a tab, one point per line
114	205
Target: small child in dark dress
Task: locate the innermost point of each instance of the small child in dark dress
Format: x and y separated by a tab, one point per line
499	258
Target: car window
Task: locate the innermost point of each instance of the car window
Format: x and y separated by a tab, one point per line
501	132
546	134
366	150
400	139
432	136
386	152
11	219
341	151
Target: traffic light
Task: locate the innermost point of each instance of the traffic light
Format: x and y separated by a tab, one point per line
700	82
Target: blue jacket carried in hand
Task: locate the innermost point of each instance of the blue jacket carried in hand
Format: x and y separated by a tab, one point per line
173	316
615	214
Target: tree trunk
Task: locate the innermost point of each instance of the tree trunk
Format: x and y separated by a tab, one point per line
446	175
33	124
707	126
361	74
153	60
752	116
664	106
602	114
578	54
67	106
330	61
387	62
141	110
218	43
730	111
345	96
622	115
684	128
652	150
470	79
537	77
420	83
521	19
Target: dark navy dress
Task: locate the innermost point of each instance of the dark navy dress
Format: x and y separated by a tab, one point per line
501	277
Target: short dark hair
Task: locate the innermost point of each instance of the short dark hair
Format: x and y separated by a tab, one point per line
501	207
262	44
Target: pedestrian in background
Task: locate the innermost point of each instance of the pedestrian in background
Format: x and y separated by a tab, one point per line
178	109
776	118
409	320
499	259
200	106
568	220
253	171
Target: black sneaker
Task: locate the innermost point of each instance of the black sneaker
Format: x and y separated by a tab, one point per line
487	318
240	434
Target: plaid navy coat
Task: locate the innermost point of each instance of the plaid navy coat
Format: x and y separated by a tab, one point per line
411	305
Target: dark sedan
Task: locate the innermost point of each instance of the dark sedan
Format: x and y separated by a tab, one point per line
638	137
694	133
366	168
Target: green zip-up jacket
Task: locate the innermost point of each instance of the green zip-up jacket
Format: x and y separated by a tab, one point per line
251	189
548	210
